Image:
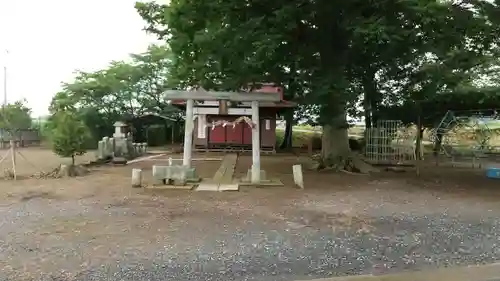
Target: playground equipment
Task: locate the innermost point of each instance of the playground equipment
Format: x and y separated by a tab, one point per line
493	173
467	135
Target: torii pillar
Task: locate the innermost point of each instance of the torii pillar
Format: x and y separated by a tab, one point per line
202	95
188	133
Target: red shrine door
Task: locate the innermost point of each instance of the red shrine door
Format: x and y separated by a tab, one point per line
234	135
216	135
247	134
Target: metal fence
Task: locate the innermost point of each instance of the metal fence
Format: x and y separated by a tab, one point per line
389	142
28	137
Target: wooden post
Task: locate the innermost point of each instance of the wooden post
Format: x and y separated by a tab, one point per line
223	107
173	133
188	134
255	143
13	155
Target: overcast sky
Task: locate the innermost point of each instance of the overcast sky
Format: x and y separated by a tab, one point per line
49	39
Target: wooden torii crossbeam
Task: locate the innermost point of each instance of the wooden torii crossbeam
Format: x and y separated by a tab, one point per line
202	95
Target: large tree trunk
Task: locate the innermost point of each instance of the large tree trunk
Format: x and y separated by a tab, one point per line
420	134
334	145
286	144
335	152
368	117
371	98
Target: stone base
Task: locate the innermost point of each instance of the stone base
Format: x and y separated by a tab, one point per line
119	160
262	183
170	187
247	180
248	177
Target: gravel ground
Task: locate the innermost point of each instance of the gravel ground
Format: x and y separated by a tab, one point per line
86	229
232	237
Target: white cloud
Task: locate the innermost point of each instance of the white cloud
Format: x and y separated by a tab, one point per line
48	40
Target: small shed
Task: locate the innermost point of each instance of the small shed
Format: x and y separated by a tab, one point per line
168	126
209	134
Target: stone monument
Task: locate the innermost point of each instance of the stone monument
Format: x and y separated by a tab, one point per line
121	146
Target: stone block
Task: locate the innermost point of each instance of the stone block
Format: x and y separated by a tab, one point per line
159	174
136	178
107	149
176	174
191	174
180	178
111	147
100	150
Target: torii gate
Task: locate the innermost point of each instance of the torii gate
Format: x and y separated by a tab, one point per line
202	95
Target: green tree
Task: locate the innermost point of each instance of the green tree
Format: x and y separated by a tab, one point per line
225	45
69	135
122	91
15	116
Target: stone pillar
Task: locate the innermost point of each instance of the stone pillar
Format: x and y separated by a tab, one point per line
120	140
255	143
188	134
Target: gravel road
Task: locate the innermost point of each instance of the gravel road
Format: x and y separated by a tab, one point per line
193	237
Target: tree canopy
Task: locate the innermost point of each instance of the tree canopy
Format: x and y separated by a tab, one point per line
123	91
15	116
333	57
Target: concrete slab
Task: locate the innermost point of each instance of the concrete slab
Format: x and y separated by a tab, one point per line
146	158
229	187
210	185
207	186
226	170
223	178
273	182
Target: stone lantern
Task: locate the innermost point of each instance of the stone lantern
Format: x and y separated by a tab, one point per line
120	130
121	146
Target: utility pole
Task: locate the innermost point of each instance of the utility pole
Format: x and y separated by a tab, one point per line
2	130
5	78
